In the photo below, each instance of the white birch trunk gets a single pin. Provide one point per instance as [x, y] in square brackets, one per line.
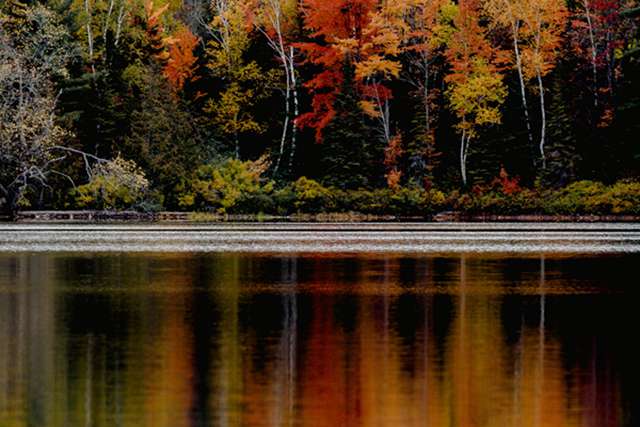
[594, 53]
[296, 108]
[463, 157]
[523, 93]
[543, 117]
[89, 36]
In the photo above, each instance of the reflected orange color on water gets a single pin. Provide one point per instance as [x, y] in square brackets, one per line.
[194, 345]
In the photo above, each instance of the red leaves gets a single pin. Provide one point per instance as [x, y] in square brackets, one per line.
[507, 184]
[337, 27]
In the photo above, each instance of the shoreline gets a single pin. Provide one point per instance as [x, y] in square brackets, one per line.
[98, 217]
[324, 238]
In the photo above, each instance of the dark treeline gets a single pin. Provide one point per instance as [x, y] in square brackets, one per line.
[311, 105]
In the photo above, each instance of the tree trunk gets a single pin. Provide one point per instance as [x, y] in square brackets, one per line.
[120, 21]
[89, 36]
[543, 116]
[523, 93]
[594, 53]
[463, 158]
[427, 110]
[287, 112]
[236, 141]
[296, 108]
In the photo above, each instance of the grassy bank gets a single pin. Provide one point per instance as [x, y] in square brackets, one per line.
[307, 200]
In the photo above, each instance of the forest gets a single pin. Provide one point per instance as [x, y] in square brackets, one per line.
[403, 107]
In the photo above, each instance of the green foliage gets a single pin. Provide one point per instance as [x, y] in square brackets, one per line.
[310, 196]
[117, 184]
[589, 197]
[579, 198]
[352, 157]
[223, 186]
[164, 137]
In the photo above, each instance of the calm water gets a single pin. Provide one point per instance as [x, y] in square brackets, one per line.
[317, 339]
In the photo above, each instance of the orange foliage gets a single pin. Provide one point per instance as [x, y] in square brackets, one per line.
[181, 65]
[155, 30]
[468, 43]
[507, 184]
[337, 28]
[392, 154]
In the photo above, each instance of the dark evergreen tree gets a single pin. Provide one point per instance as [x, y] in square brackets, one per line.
[163, 138]
[352, 156]
[562, 150]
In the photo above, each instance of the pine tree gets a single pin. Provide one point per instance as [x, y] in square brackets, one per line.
[351, 155]
[163, 137]
[562, 160]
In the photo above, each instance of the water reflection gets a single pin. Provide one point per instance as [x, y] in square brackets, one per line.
[245, 340]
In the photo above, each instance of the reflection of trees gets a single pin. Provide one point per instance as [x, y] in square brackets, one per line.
[475, 374]
[28, 351]
[285, 371]
[227, 370]
[327, 358]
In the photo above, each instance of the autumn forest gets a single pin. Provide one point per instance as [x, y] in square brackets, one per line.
[406, 107]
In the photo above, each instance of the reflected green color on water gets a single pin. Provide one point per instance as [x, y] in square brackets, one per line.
[325, 340]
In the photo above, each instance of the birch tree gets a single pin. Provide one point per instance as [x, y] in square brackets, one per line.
[277, 21]
[543, 22]
[508, 13]
[377, 65]
[475, 90]
[244, 81]
[428, 29]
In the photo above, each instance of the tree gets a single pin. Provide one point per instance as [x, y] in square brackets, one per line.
[543, 22]
[244, 82]
[114, 184]
[428, 28]
[30, 138]
[562, 157]
[598, 32]
[351, 158]
[164, 138]
[181, 64]
[333, 26]
[475, 90]
[277, 22]
[223, 186]
[376, 65]
[508, 13]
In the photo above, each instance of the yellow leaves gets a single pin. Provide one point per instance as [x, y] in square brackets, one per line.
[377, 65]
[537, 25]
[224, 185]
[229, 111]
[245, 83]
[231, 27]
[477, 97]
[116, 184]
[369, 108]
[443, 28]
[153, 14]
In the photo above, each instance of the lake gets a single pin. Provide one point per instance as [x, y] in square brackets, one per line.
[319, 325]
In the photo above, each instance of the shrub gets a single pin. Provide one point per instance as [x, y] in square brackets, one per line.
[309, 196]
[624, 198]
[116, 184]
[503, 196]
[581, 197]
[222, 187]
